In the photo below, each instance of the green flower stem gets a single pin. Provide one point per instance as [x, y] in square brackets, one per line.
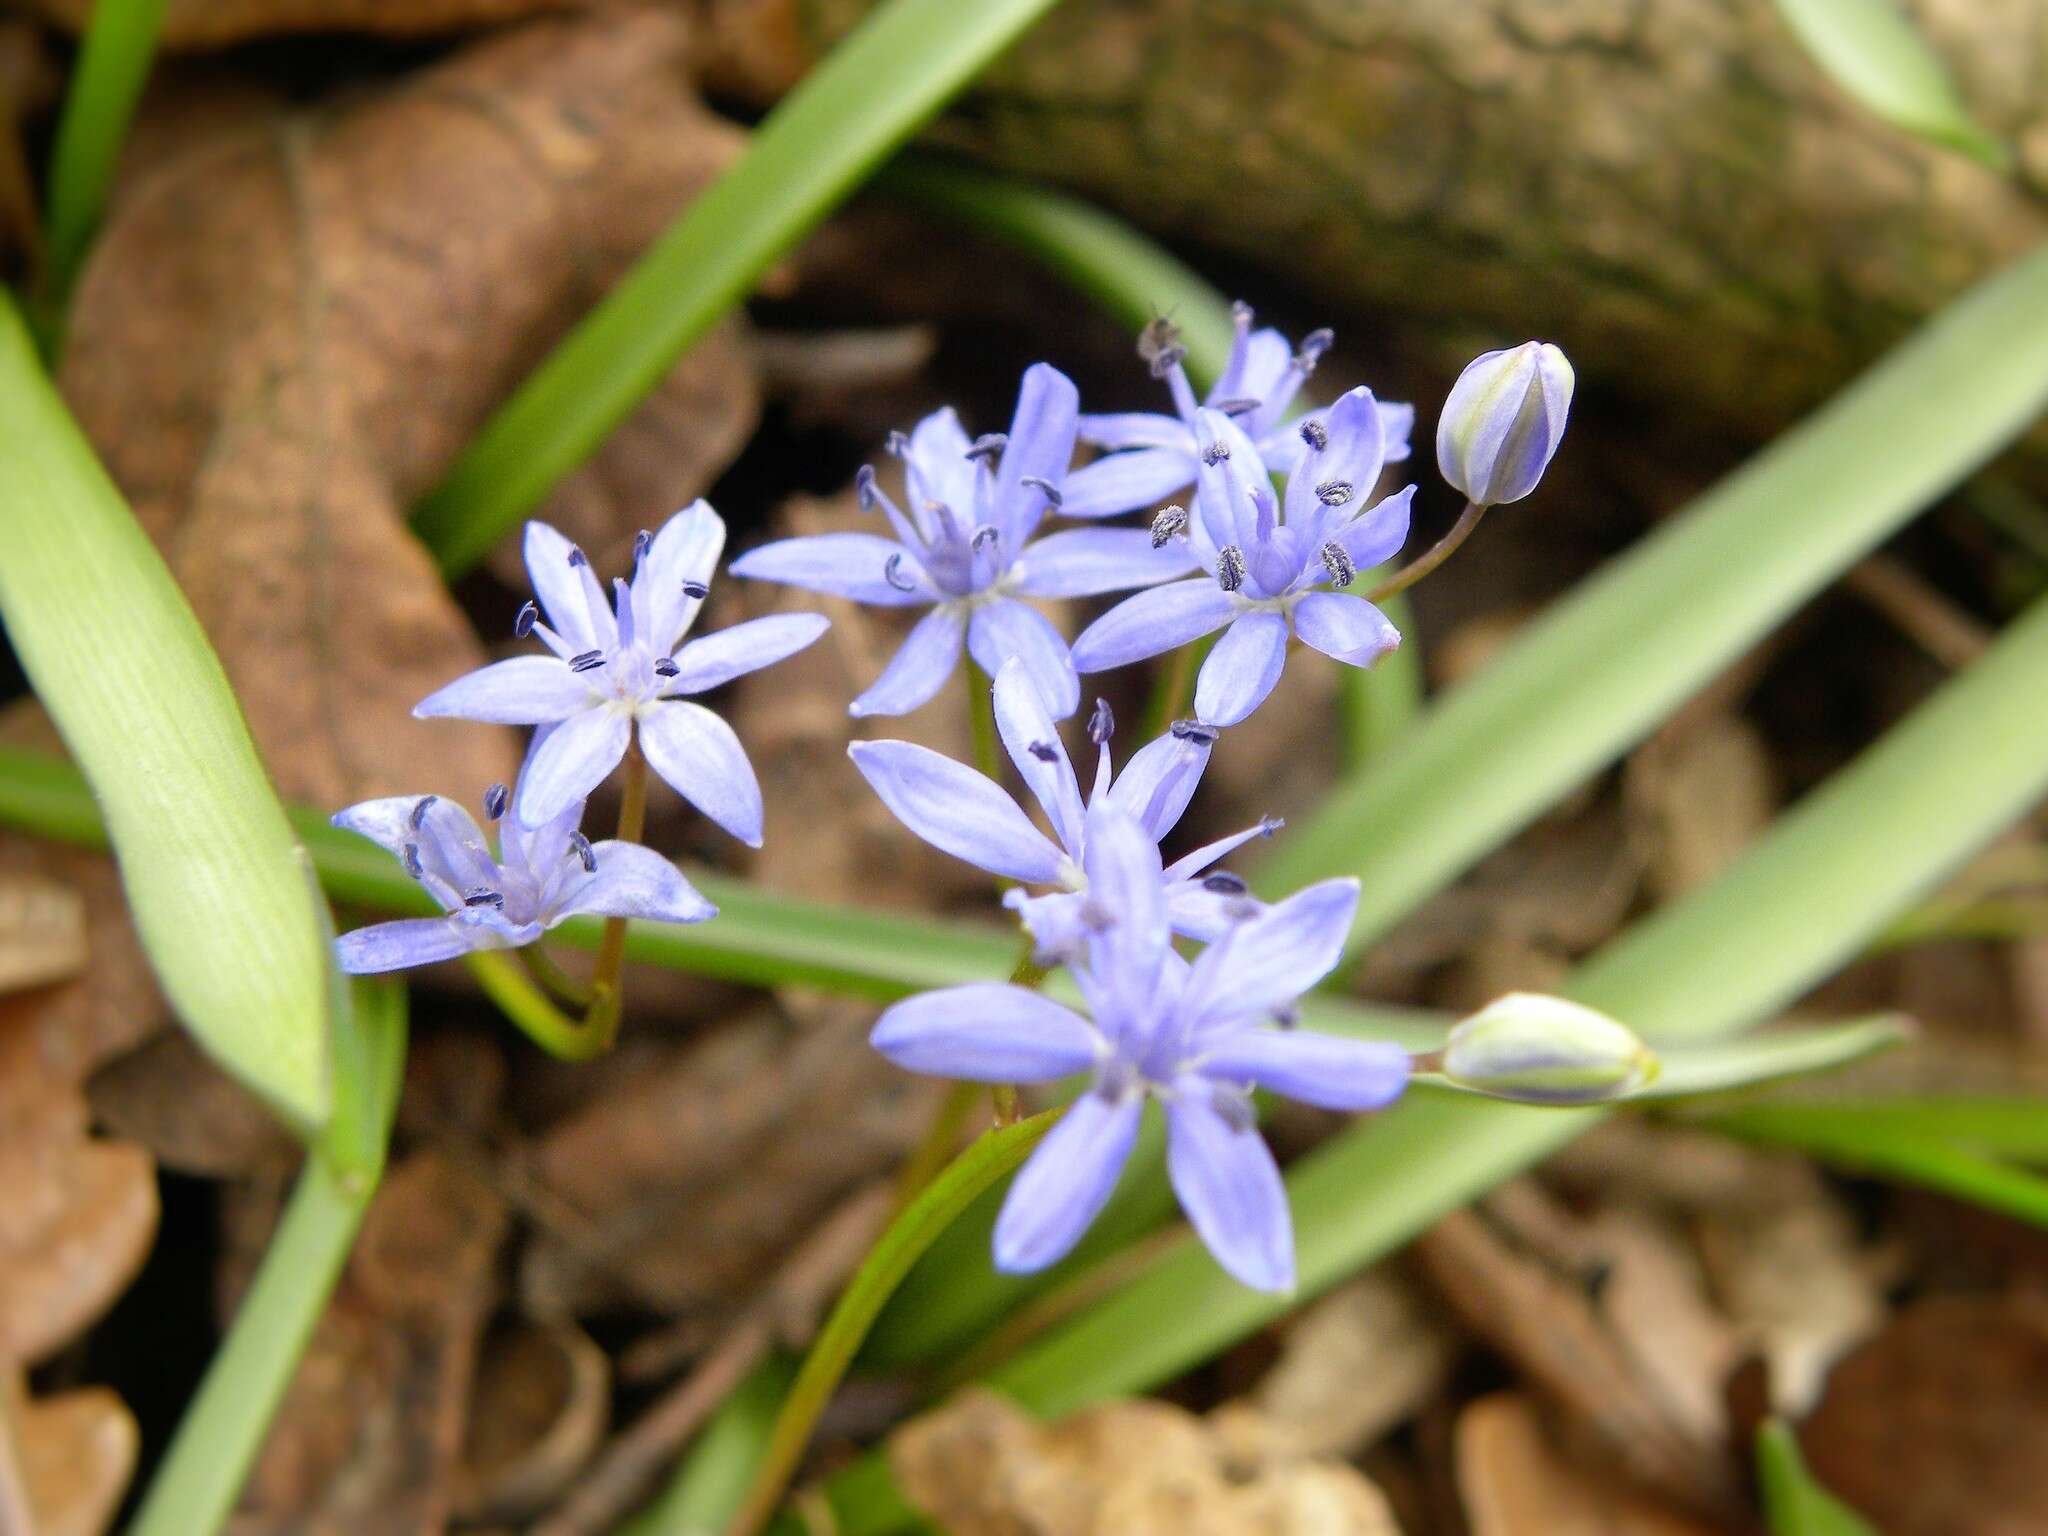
[974, 1170]
[201, 1477]
[113, 66]
[551, 978]
[981, 720]
[877, 87]
[1436, 555]
[530, 1010]
[1173, 689]
[607, 978]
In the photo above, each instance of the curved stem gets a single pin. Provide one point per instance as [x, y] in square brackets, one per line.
[909, 1235]
[531, 1010]
[552, 978]
[1445, 547]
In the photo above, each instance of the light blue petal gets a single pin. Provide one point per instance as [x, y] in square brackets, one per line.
[986, 1032]
[841, 565]
[1257, 365]
[1397, 425]
[1227, 484]
[1034, 745]
[573, 761]
[743, 648]
[408, 942]
[524, 690]
[1327, 1071]
[1138, 429]
[1003, 630]
[919, 669]
[1057, 923]
[1243, 668]
[387, 822]
[937, 463]
[1230, 1188]
[1159, 780]
[1152, 623]
[1040, 447]
[702, 760]
[1348, 464]
[1268, 961]
[1188, 865]
[1124, 482]
[1346, 627]
[632, 881]
[1379, 532]
[1196, 912]
[568, 591]
[957, 810]
[685, 550]
[1084, 562]
[1129, 937]
[1066, 1182]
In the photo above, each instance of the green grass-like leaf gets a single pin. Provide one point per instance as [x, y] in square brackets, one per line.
[1795, 1504]
[1873, 51]
[200, 1479]
[870, 94]
[113, 66]
[208, 862]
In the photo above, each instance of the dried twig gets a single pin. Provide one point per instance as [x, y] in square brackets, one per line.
[787, 1310]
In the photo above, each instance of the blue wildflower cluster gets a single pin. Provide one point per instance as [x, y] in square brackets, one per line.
[1188, 983]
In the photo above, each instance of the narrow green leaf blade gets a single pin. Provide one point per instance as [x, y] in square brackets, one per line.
[874, 90]
[1597, 672]
[212, 873]
[1872, 51]
[1794, 1504]
[1697, 1067]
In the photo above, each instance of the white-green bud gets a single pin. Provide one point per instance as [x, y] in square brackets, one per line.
[1544, 1050]
[1502, 421]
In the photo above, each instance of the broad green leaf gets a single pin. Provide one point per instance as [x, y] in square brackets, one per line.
[1872, 51]
[1603, 666]
[1794, 1504]
[896, 69]
[208, 862]
[200, 1479]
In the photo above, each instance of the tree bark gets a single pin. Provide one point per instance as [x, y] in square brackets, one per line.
[1669, 188]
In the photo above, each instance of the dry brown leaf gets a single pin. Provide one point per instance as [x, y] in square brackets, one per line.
[216, 23]
[1513, 1482]
[980, 1467]
[170, 1097]
[539, 1407]
[1519, 1271]
[295, 319]
[42, 931]
[683, 1185]
[77, 1451]
[371, 1428]
[80, 1213]
[1938, 1426]
[1698, 792]
[841, 843]
[663, 456]
[1355, 1364]
[113, 1005]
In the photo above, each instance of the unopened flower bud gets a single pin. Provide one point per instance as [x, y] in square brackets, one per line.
[1502, 422]
[1544, 1050]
